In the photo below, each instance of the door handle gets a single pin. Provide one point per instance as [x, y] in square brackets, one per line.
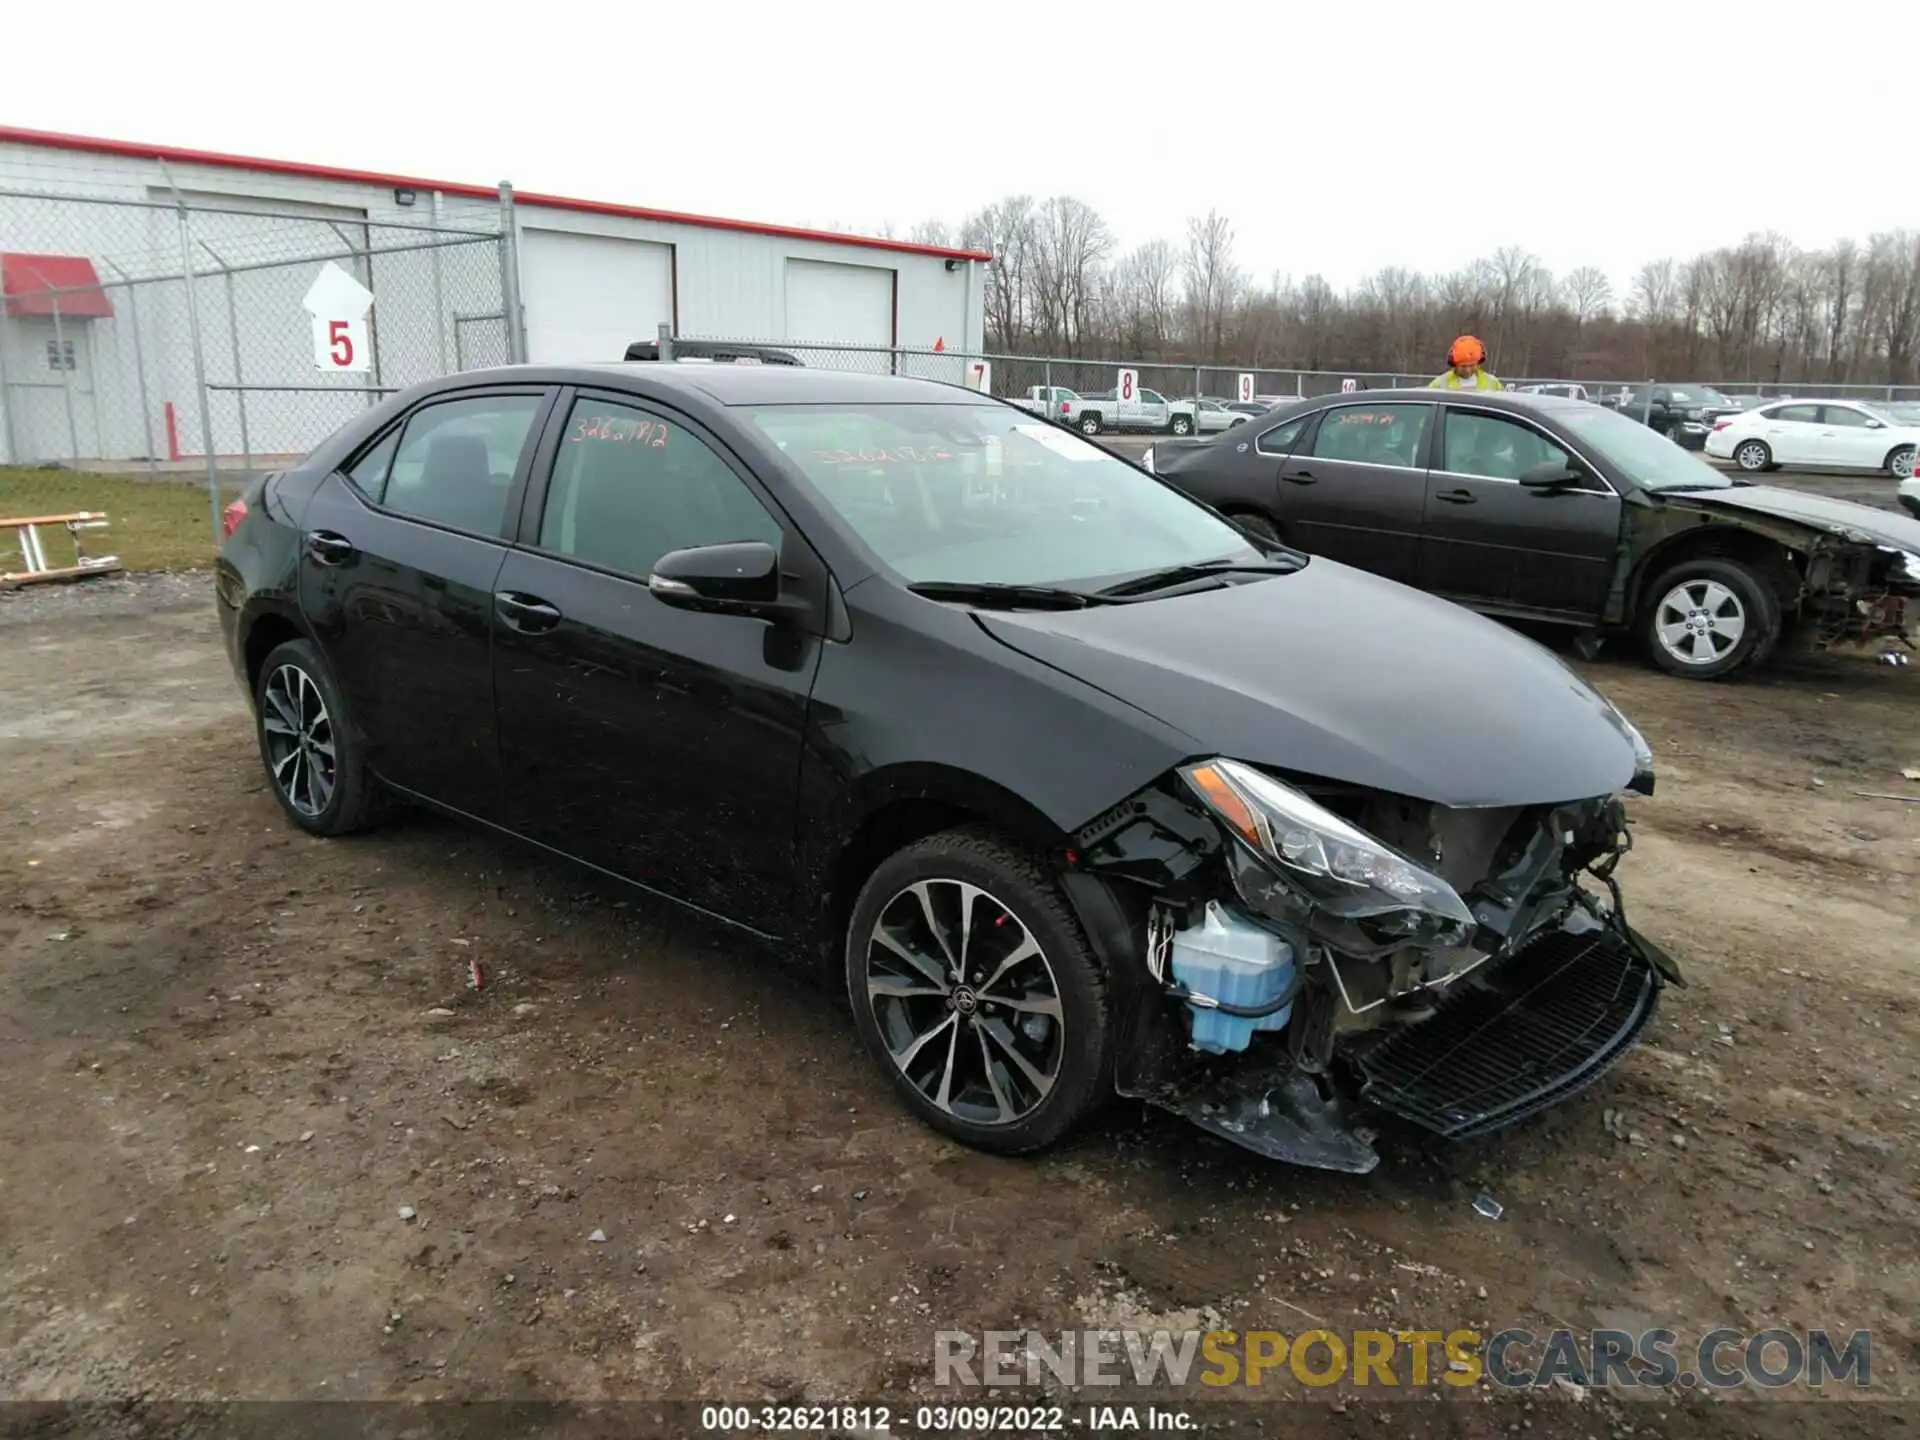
[1457, 497]
[1299, 477]
[329, 548]
[528, 614]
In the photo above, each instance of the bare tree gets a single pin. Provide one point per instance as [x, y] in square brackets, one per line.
[1213, 281]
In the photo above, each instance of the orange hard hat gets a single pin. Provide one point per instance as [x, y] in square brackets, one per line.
[1467, 350]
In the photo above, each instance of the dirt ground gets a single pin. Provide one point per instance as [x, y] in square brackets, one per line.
[644, 1162]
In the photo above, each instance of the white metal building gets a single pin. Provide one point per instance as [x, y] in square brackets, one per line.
[592, 277]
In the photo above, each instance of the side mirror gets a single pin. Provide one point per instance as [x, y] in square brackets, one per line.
[739, 578]
[1875, 425]
[1550, 476]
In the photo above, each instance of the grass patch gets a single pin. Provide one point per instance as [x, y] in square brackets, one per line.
[151, 524]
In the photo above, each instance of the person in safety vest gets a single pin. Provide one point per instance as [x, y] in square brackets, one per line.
[1467, 355]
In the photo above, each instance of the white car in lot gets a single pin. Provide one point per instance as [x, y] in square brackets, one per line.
[1825, 434]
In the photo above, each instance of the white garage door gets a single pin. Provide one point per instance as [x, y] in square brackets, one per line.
[852, 304]
[588, 297]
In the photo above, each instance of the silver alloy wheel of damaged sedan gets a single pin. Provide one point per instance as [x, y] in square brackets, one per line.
[1700, 622]
[299, 739]
[965, 1001]
[1751, 455]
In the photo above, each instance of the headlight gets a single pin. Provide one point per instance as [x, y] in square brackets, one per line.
[1325, 863]
[1146, 460]
[1906, 565]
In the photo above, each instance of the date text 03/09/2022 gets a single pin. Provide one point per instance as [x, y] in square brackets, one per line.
[886, 1420]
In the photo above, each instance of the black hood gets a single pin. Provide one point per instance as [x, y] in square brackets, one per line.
[1334, 673]
[1838, 517]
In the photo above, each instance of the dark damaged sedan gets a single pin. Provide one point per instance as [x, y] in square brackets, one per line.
[1079, 790]
[1542, 508]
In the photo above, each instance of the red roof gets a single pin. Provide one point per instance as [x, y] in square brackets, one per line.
[32, 284]
[135, 150]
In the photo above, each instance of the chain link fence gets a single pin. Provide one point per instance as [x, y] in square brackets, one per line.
[171, 334]
[1016, 376]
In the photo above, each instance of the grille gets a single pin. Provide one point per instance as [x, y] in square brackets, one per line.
[1548, 1022]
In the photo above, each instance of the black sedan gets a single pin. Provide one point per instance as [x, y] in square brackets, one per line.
[1074, 788]
[1542, 508]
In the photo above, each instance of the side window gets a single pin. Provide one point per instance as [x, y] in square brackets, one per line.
[369, 472]
[1796, 414]
[1152, 397]
[1494, 448]
[629, 486]
[1844, 417]
[1373, 434]
[455, 462]
[1281, 439]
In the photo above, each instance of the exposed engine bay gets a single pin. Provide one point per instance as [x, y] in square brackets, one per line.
[1312, 951]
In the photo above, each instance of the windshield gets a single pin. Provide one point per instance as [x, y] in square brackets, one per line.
[984, 494]
[1698, 395]
[1647, 458]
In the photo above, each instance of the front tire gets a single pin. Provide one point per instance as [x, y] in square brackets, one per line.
[1090, 424]
[977, 994]
[1258, 525]
[1900, 463]
[1753, 456]
[1707, 617]
[308, 744]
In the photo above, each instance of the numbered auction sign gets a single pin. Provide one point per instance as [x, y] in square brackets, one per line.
[337, 305]
[1246, 387]
[1347, 387]
[1127, 391]
[980, 376]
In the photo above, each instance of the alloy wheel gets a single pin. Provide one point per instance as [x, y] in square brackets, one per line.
[1751, 456]
[1902, 464]
[966, 1002]
[299, 740]
[1700, 621]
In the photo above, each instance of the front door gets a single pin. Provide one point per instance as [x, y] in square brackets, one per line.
[1355, 490]
[1492, 541]
[1792, 433]
[659, 744]
[1154, 411]
[397, 580]
[1849, 438]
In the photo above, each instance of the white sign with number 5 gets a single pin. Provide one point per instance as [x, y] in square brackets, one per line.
[1127, 390]
[337, 305]
[1246, 389]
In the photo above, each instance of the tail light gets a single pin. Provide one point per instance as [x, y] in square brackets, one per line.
[1719, 425]
[231, 517]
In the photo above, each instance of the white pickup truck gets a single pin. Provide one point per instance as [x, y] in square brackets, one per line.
[1091, 414]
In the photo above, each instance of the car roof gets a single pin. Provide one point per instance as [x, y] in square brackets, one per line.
[1493, 399]
[735, 384]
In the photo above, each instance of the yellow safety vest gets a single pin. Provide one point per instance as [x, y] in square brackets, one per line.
[1482, 380]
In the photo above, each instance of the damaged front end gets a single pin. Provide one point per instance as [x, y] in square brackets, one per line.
[1312, 952]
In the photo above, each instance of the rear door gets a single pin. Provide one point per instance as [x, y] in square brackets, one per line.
[1792, 433]
[1848, 437]
[657, 743]
[1355, 490]
[1492, 541]
[402, 550]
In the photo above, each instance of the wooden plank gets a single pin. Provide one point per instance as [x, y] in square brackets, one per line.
[71, 572]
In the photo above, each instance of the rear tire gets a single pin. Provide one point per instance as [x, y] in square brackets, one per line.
[1707, 617]
[1180, 425]
[1090, 424]
[1015, 1052]
[1900, 462]
[308, 744]
[1753, 456]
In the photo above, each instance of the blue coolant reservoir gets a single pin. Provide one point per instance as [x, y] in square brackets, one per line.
[1235, 961]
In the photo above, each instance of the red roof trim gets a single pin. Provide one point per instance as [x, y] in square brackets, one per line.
[31, 283]
[136, 151]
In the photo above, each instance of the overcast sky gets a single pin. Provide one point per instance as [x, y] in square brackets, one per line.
[1337, 137]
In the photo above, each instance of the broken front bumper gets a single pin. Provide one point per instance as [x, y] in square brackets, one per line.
[1540, 1025]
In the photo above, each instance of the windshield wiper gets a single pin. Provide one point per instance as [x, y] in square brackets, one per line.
[993, 595]
[1181, 574]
